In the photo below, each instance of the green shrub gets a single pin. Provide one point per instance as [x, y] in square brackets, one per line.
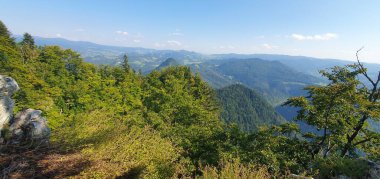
[134, 152]
[335, 166]
[235, 169]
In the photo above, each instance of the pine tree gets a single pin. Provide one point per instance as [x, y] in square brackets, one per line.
[4, 32]
[28, 41]
[125, 64]
[27, 48]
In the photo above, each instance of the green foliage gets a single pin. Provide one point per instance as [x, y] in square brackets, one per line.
[125, 64]
[246, 108]
[278, 148]
[28, 41]
[90, 106]
[235, 169]
[341, 110]
[28, 49]
[4, 32]
[129, 150]
[186, 111]
[335, 166]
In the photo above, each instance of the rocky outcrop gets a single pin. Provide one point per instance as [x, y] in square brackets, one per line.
[28, 126]
[7, 87]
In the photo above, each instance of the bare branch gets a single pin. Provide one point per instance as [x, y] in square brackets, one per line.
[362, 141]
[362, 67]
[374, 84]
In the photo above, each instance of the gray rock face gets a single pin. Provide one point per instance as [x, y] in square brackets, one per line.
[374, 171]
[28, 125]
[7, 87]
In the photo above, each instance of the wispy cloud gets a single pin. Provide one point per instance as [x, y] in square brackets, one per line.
[58, 35]
[122, 32]
[174, 43]
[269, 47]
[137, 41]
[326, 36]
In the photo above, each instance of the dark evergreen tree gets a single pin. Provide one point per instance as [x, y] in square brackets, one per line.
[4, 32]
[126, 67]
[28, 41]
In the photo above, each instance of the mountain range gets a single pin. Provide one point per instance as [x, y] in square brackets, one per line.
[273, 77]
[148, 59]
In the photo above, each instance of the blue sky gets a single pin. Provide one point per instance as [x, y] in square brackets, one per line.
[323, 28]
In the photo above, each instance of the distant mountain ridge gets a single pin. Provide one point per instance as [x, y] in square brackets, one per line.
[148, 59]
[308, 65]
[143, 59]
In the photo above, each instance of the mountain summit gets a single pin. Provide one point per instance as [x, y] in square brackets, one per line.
[167, 63]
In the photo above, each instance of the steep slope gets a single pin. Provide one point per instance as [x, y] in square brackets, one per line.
[275, 81]
[211, 76]
[246, 108]
[167, 63]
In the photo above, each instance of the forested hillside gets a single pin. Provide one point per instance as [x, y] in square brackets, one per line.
[111, 121]
[167, 117]
[246, 108]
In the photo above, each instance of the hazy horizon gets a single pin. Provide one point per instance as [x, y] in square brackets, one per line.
[323, 29]
[320, 58]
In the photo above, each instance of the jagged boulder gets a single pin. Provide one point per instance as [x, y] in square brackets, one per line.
[7, 87]
[27, 126]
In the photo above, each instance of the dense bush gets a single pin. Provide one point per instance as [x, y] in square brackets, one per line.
[132, 151]
[235, 169]
[335, 166]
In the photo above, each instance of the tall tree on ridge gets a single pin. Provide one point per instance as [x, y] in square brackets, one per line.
[341, 110]
[27, 48]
